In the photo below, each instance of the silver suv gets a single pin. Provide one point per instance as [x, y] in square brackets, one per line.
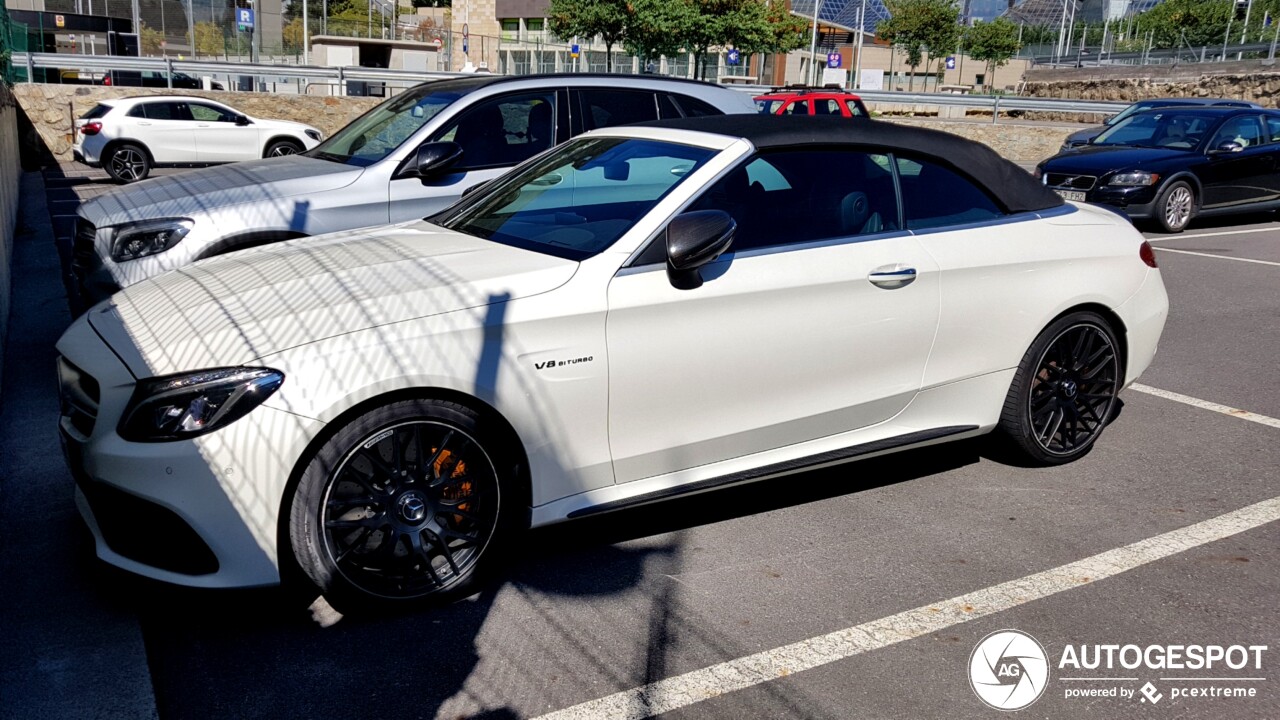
[407, 158]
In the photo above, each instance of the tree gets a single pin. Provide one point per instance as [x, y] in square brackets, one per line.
[760, 26]
[606, 19]
[919, 25]
[649, 27]
[209, 39]
[151, 40]
[995, 43]
[292, 35]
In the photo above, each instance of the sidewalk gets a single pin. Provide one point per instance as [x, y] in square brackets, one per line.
[68, 649]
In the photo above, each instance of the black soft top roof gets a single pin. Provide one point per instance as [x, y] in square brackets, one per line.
[1008, 184]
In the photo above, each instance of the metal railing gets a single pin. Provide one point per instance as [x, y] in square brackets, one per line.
[103, 63]
[993, 103]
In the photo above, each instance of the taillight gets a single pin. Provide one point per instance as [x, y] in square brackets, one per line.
[1147, 254]
[106, 79]
[91, 128]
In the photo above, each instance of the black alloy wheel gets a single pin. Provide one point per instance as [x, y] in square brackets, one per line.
[282, 148]
[400, 507]
[1065, 390]
[128, 163]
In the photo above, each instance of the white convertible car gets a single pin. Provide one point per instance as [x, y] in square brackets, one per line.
[641, 313]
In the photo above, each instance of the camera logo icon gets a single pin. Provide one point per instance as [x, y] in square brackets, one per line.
[1008, 670]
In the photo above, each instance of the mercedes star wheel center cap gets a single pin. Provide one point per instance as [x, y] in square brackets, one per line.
[412, 508]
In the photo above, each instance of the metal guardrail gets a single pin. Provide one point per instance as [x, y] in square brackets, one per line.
[102, 63]
[1001, 103]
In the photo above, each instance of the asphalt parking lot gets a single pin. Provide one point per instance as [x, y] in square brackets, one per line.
[859, 591]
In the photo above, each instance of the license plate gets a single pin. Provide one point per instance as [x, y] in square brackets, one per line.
[1076, 195]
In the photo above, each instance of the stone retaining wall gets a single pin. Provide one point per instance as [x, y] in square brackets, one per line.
[51, 108]
[1260, 87]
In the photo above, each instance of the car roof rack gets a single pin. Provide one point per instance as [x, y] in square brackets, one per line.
[801, 88]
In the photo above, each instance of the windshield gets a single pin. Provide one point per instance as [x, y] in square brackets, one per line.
[377, 133]
[1165, 129]
[578, 199]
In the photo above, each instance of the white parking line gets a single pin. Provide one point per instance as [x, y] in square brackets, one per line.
[1215, 234]
[1219, 257]
[1206, 405]
[716, 680]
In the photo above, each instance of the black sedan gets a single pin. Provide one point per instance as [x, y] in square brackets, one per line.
[1173, 164]
[1084, 137]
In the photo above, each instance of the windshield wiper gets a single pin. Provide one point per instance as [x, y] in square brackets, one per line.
[332, 157]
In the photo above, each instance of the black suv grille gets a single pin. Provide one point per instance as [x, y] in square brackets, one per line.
[1070, 182]
[80, 398]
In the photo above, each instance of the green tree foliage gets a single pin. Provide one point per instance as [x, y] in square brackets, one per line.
[995, 43]
[1201, 22]
[917, 26]
[209, 39]
[150, 40]
[607, 19]
[650, 27]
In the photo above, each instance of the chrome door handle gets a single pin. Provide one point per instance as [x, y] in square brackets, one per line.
[891, 277]
[143, 123]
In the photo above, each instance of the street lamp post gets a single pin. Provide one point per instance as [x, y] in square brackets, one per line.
[813, 45]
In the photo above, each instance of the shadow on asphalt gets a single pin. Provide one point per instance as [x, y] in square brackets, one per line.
[221, 653]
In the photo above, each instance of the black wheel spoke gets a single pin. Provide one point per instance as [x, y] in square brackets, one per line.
[1067, 412]
[423, 555]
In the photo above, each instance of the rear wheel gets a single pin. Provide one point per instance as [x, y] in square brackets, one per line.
[128, 163]
[280, 148]
[408, 504]
[1064, 390]
[1175, 207]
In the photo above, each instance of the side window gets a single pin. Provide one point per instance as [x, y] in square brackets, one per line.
[797, 107]
[826, 107]
[607, 108]
[1273, 129]
[790, 197]
[165, 111]
[1244, 130]
[504, 131]
[854, 108]
[693, 107]
[209, 113]
[667, 108]
[137, 111]
[934, 196]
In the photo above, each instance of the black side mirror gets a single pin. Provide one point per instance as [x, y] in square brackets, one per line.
[693, 240]
[432, 159]
[243, 120]
[1230, 146]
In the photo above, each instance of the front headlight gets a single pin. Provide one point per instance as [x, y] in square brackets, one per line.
[184, 406]
[314, 134]
[1134, 179]
[130, 242]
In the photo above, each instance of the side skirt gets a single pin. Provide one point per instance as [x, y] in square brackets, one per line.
[782, 468]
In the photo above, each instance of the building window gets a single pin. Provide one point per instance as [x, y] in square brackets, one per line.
[511, 30]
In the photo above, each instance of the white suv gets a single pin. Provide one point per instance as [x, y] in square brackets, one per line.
[128, 137]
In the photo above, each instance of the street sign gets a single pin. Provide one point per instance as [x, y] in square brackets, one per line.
[244, 18]
[466, 32]
[951, 62]
[573, 50]
[59, 20]
[733, 56]
[833, 60]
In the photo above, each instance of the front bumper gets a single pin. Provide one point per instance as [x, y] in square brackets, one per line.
[1136, 202]
[202, 512]
[93, 281]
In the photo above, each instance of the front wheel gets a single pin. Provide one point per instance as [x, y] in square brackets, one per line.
[282, 148]
[408, 504]
[1064, 390]
[128, 163]
[1175, 207]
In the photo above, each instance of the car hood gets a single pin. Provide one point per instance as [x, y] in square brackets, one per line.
[1102, 159]
[282, 125]
[1081, 137]
[241, 307]
[199, 191]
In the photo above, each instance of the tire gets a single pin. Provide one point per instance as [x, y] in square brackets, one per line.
[280, 148]
[1069, 407]
[128, 163]
[408, 505]
[1175, 206]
